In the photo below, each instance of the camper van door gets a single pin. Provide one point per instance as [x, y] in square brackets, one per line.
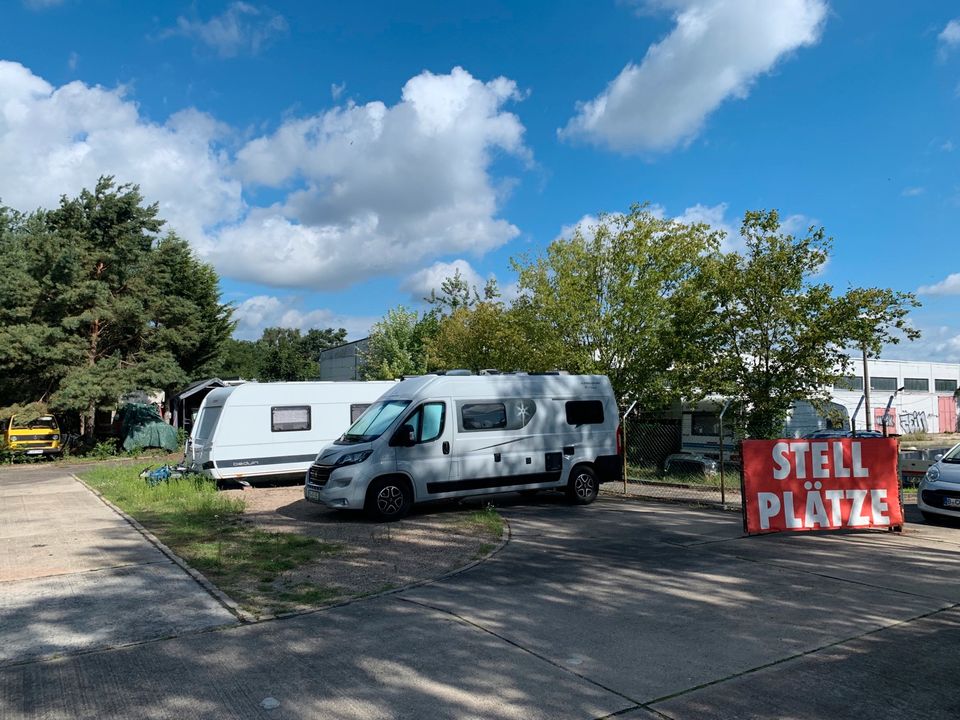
[427, 461]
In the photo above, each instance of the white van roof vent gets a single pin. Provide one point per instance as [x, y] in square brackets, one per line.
[458, 372]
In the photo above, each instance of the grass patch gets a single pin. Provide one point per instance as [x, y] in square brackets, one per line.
[207, 530]
[487, 521]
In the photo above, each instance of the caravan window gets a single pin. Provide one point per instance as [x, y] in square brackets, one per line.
[584, 412]
[705, 423]
[208, 421]
[483, 416]
[290, 419]
[357, 410]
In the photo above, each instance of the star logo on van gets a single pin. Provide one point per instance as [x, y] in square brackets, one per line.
[522, 411]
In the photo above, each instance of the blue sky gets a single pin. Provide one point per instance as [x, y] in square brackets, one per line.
[333, 160]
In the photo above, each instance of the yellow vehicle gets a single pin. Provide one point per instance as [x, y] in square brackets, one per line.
[33, 435]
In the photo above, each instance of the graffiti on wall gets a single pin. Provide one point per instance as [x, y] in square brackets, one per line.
[913, 422]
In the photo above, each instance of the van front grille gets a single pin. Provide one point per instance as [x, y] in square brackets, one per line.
[319, 474]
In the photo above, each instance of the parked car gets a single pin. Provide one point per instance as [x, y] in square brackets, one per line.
[690, 464]
[939, 492]
[38, 435]
[836, 433]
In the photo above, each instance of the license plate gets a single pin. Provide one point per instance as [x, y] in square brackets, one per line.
[34, 452]
[951, 502]
[313, 495]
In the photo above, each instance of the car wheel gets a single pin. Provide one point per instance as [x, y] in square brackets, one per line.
[388, 498]
[582, 487]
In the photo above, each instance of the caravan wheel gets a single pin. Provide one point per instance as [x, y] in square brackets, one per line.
[582, 487]
[388, 498]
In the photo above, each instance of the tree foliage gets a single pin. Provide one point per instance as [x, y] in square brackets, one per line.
[280, 354]
[776, 335]
[396, 347]
[95, 303]
[607, 302]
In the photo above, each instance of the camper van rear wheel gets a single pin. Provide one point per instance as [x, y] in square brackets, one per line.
[388, 498]
[582, 487]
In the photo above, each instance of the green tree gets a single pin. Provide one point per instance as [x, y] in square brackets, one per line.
[96, 304]
[281, 356]
[397, 345]
[238, 359]
[774, 334]
[484, 335]
[607, 302]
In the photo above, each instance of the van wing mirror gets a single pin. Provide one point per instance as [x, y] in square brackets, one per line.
[406, 436]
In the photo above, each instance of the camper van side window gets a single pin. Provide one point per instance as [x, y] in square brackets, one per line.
[584, 412]
[290, 418]
[483, 416]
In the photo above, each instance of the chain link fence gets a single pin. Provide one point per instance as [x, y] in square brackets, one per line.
[659, 466]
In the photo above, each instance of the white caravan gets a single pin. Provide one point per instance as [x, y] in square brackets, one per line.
[700, 426]
[271, 429]
[448, 436]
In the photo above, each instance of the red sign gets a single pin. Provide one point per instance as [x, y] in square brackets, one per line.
[820, 484]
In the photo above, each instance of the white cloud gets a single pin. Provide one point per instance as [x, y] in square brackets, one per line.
[422, 282]
[949, 37]
[712, 215]
[937, 344]
[241, 29]
[337, 90]
[263, 311]
[57, 141]
[365, 190]
[377, 189]
[716, 51]
[912, 191]
[950, 285]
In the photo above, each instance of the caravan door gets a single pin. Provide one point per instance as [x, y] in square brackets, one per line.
[427, 461]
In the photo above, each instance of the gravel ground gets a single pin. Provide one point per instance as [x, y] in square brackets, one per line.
[373, 557]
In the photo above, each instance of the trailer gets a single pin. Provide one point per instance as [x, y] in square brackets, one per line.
[266, 430]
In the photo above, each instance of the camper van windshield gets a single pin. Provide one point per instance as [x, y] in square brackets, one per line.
[372, 424]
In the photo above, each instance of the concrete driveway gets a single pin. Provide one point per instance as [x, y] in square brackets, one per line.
[636, 609]
[75, 576]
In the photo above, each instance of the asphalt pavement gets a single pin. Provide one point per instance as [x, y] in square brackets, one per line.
[626, 608]
[75, 576]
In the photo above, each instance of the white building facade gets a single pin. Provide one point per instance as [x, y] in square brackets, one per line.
[924, 395]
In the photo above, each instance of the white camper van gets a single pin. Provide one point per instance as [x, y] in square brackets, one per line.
[447, 436]
[271, 429]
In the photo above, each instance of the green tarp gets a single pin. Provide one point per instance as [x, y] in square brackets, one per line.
[142, 427]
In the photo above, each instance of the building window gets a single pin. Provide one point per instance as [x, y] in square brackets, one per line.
[483, 416]
[705, 424]
[883, 383]
[949, 386]
[290, 418]
[584, 412]
[916, 384]
[849, 382]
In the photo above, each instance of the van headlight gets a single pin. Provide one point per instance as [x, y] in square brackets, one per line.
[933, 473]
[353, 458]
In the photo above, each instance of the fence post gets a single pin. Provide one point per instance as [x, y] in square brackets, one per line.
[623, 429]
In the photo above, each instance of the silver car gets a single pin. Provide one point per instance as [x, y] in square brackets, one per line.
[939, 492]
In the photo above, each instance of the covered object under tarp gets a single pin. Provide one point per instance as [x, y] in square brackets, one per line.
[142, 427]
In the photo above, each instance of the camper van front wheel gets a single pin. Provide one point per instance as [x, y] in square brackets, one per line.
[388, 498]
[582, 486]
